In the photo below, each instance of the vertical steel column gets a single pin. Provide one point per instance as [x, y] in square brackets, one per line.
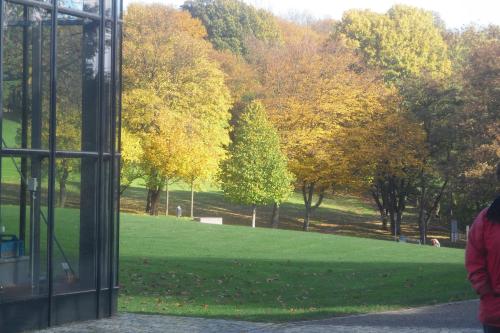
[118, 137]
[52, 157]
[112, 136]
[36, 143]
[24, 127]
[100, 147]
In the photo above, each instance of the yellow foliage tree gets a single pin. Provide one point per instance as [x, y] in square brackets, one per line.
[175, 98]
[314, 93]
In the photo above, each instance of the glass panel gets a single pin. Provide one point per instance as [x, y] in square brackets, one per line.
[116, 221]
[118, 91]
[119, 8]
[23, 228]
[75, 225]
[108, 9]
[106, 116]
[77, 83]
[26, 77]
[91, 6]
[105, 223]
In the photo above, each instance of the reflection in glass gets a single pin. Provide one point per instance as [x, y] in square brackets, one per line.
[108, 9]
[78, 83]
[75, 227]
[118, 83]
[106, 114]
[105, 227]
[84, 190]
[23, 228]
[116, 220]
[91, 6]
[26, 77]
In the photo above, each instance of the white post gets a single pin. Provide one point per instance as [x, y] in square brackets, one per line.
[254, 213]
[467, 229]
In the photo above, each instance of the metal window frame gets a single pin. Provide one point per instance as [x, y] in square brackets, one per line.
[52, 304]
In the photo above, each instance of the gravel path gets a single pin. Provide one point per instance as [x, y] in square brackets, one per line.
[454, 317]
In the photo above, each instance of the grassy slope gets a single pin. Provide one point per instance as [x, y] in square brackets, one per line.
[183, 268]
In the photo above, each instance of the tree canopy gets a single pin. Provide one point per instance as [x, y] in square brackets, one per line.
[175, 99]
[256, 171]
[406, 41]
[230, 23]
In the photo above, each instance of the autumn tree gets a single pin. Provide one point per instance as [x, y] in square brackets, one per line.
[403, 42]
[256, 171]
[313, 93]
[175, 98]
[385, 156]
[478, 123]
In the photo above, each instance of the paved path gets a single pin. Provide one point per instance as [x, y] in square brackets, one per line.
[455, 317]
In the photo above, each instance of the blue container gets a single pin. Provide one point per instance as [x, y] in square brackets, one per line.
[10, 247]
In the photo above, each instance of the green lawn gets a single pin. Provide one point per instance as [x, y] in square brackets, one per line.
[177, 267]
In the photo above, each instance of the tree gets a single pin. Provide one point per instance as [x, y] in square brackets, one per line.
[478, 124]
[230, 23]
[175, 98]
[313, 94]
[435, 104]
[406, 41]
[386, 154]
[256, 171]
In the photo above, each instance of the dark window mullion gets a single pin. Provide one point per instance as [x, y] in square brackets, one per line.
[52, 159]
[100, 128]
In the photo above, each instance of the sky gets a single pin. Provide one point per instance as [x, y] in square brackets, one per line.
[455, 13]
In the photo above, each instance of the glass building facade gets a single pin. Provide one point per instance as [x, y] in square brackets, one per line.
[60, 80]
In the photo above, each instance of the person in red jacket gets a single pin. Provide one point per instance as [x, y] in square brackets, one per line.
[482, 260]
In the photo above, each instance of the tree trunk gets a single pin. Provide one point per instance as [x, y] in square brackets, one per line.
[382, 210]
[422, 230]
[62, 187]
[155, 201]
[399, 218]
[148, 202]
[307, 216]
[254, 215]
[275, 220]
[167, 198]
[308, 194]
[62, 193]
[392, 219]
[192, 200]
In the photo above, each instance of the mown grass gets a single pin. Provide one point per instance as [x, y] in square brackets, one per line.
[177, 267]
[340, 214]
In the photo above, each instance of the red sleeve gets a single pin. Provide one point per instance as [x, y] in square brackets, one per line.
[475, 257]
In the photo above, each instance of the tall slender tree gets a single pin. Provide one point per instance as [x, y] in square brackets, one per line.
[256, 171]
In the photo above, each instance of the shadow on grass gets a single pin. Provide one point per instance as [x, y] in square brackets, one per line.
[274, 290]
[341, 215]
[358, 218]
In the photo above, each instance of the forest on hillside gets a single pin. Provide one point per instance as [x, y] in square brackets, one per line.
[392, 106]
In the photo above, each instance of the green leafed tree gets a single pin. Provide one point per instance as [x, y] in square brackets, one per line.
[256, 171]
[230, 23]
[406, 41]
